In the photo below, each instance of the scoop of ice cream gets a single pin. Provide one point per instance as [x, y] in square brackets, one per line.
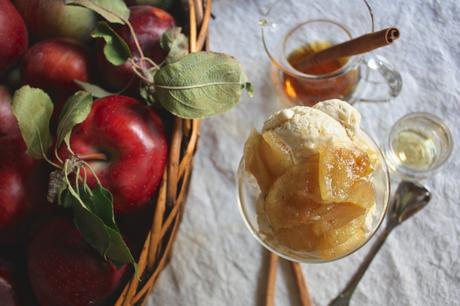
[303, 129]
[343, 112]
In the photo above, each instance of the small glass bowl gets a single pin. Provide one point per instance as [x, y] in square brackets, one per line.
[248, 193]
[428, 127]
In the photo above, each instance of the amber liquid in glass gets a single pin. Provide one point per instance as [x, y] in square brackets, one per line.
[309, 91]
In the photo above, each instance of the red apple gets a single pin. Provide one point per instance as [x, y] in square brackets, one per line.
[15, 165]
[66, 271]
[8, 123]
[23, 186]
[13, 35]
[149, 23]
[54, 64]
[52, 18]
[8, 286]
[124, 142]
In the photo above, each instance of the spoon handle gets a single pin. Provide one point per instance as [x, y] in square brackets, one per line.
[343, 299]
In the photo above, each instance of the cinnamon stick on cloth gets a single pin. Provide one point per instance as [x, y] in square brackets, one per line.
[271, 280]
[301, 284]
[361, 44]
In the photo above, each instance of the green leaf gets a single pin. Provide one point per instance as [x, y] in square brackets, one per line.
[175, 43]
[32, 108]
[75, 111]
[96, 91]
[114, 11]
[92, 228]
[105, 211]
[200, 85]
[116, 50]
[96, 222]
[118, 251]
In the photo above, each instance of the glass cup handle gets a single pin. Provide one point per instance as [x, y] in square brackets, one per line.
[381, 81]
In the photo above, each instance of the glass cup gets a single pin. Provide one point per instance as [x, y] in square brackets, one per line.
[418, 145]
[251, 207]
[293, 28]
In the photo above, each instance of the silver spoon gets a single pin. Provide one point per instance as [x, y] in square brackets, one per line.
[410, 197]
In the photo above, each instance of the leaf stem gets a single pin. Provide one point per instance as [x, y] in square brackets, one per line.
[92, 171]
[136, 41]
[69, 186]
[139, 49]
[43, 152]
[57, 155]
[77, 178]
[139, 71]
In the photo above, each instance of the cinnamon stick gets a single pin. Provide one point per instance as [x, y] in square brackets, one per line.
[271, 280]
[301, 284]
[359, 45]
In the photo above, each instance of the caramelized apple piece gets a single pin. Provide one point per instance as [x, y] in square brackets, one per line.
[294, 196]
[362, 194]
[327, 252]
[339, 235]
[339, 169]
[334, 216]
[276, 153]
[298, 238]
[254, 162]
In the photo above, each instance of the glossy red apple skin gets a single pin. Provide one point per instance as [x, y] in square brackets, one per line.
[8, 123]
[15, 165]
[13, 35]
[52, 18]
[131, 136]
[54, 64]
[66, 271]
[23, 187]
[149, 24]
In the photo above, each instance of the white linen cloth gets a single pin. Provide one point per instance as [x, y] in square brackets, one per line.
[216, 261]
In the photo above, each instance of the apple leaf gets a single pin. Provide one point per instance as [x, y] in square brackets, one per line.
[116, 50]
[32, 107]
[114, 11]
[96, 91]
[200, 85]
[75, 111]
[94, 218]
[175, 43]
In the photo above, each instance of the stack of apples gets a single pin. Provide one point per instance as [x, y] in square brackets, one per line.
[46, 44]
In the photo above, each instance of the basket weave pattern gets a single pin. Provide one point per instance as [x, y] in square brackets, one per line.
[169, 207]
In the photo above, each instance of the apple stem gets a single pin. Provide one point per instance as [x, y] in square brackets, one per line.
[96, 156]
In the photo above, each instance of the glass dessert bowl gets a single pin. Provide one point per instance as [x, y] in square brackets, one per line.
[312, 187]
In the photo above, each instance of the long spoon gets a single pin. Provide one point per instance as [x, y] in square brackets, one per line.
[410, 198]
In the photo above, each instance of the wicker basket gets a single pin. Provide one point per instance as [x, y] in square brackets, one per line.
[169, 208]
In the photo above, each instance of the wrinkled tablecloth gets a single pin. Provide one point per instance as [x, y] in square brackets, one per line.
[216, 260]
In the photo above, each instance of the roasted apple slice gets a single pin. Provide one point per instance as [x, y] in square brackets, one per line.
[339, 169]
[293, 197]
[254, 162]
[276, 153]
[298, 238]
[333, 216]
[328, 252]
[339, 235]
[362, 194]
